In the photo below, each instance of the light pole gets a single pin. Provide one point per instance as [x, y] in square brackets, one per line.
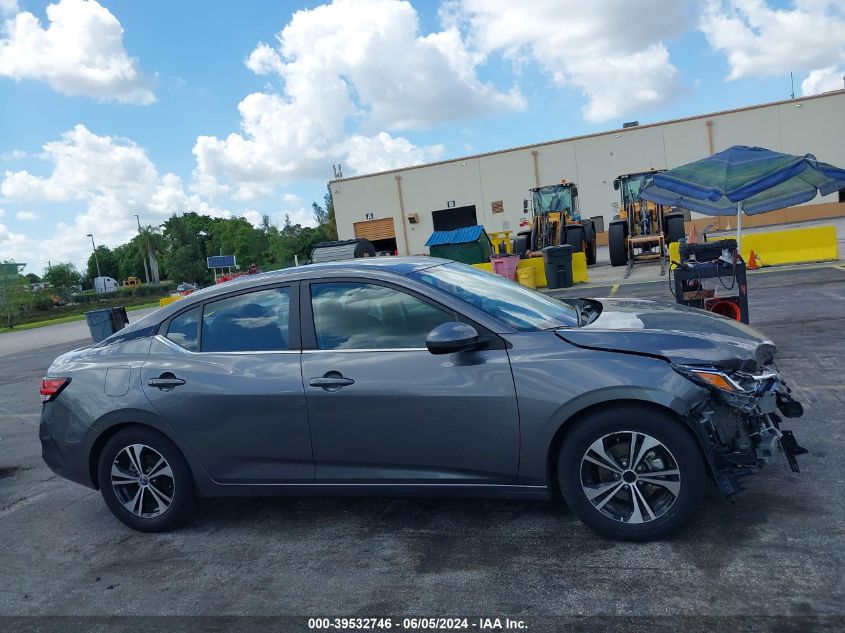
[143, 254]
[94, 248]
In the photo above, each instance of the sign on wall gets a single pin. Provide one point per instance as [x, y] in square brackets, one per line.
[450, 204]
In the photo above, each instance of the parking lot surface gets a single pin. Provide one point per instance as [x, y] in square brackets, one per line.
[778, 551]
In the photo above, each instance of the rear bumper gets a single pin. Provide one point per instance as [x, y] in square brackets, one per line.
[68, 459]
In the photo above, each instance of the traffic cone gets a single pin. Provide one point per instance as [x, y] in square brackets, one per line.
[752, 261]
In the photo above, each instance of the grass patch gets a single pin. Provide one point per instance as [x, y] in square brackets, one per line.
[69, 318]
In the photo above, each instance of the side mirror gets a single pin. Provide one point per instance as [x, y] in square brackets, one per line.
[616, 184]
[451, 337]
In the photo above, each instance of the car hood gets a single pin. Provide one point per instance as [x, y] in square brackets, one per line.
[680, 334]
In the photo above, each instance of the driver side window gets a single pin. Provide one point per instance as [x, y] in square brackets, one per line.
[352, 315]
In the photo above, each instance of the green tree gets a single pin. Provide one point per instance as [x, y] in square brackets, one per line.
[150, 245]
[32, 278]
[129, 262]
[62, 276]
[108, 264]
[183, 258]
[324, 215]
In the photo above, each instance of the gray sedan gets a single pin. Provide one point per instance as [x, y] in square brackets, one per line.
[399, 376]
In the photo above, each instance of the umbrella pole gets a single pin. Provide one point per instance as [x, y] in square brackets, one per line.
[739, 228]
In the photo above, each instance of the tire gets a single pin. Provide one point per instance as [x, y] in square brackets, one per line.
[590, 240]
[616, 243]
[674, 224]
[662, 444]
[364, 248]
[144, 501]
[575, 237]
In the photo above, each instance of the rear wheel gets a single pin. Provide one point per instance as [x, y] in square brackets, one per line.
[145, 481]
[616, 243]
[631, 473]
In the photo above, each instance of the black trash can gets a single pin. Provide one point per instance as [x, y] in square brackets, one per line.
[119, 318]
[100, 324]
[557, 260]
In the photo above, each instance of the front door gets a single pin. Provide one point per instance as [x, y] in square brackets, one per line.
[382, 409]
[226, 376]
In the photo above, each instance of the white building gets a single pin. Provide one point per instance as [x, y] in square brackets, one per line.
[400, 209]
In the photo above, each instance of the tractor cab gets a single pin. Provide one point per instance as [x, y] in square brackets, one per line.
[557, 220]
[642, 230]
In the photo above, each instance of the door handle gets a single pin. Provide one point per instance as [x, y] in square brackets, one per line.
[165, 382]
[332, 381]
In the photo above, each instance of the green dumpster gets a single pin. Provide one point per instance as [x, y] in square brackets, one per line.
[469, 245]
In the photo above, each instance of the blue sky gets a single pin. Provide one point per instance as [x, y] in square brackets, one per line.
[152, 107]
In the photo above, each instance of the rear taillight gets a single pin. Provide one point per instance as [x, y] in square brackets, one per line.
[52, 387]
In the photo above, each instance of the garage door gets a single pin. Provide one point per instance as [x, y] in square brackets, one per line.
[375, 229]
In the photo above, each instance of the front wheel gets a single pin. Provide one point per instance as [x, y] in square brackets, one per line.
[145, 481]
[631, 473]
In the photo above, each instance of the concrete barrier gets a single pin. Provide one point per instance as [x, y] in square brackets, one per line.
[790, 246]
[579, 268]
[167, 300]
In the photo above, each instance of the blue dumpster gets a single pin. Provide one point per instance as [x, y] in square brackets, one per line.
[100, 323]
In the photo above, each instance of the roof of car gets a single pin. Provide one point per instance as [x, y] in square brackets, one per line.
[395, 265]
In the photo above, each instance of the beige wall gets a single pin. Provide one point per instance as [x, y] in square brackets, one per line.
[817, 127]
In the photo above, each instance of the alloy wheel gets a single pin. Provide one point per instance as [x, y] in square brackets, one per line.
[142, 480]
[630, 477]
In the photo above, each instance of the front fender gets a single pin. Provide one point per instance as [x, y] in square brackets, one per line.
[556, 382]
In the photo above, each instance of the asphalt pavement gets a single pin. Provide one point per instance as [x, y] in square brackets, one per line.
[776, 552]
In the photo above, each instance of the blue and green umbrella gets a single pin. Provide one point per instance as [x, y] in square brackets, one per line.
[750, 179]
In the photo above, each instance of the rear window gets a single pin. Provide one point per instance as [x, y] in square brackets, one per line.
[251, 322]
[183, 329]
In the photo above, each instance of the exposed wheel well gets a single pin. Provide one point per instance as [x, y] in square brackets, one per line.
[100, 442]
[570, 423]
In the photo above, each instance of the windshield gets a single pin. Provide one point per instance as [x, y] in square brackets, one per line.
[523, 309]
[553, 198]
[633, 185]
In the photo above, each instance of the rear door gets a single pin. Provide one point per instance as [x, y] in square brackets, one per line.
[226, 375]
[383, 409]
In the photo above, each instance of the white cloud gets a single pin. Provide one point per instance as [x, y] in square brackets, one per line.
[759, 40]
[253, 217]
[27, 216]
[611, 51]
[9, 7]
[14, 247]
[112, 179]
[291, 198]
[359, 65]
[81, 52]
[383, 152]
[823, 80]
[15, 154]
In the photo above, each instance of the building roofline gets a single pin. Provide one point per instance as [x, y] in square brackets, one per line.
[591, 135]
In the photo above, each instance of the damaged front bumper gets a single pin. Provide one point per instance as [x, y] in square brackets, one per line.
[741, 422]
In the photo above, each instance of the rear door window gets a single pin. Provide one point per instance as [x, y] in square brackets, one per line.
[184, 328]
[251, 322]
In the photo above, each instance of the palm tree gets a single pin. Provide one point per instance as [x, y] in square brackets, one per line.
[151, 242]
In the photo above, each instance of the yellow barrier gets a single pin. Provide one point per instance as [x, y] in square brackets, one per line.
[500, 237]
[579, 268]
[167, 300]
[790, 246]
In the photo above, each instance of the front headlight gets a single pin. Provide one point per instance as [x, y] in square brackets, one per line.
[733, 382]
[716, 379]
